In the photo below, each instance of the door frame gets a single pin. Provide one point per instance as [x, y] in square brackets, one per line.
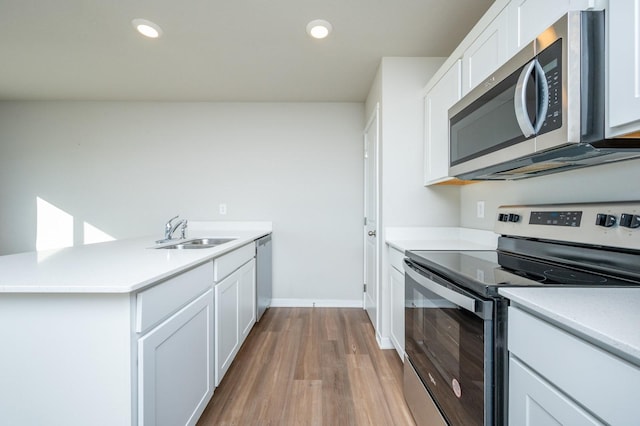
[373, 119]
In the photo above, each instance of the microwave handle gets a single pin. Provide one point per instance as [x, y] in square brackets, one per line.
[520, 99]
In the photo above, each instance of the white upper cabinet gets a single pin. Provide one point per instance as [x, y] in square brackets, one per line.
[624, 67]
[487, 53]
[528, 18]
[446, 92]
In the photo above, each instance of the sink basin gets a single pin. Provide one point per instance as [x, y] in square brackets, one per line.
[198, 243]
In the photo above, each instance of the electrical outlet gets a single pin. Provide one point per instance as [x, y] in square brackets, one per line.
[223, 208]
[480, 209]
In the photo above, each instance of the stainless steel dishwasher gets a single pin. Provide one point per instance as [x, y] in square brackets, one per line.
[263, 275]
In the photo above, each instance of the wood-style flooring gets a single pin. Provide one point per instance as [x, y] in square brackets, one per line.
[311, 366]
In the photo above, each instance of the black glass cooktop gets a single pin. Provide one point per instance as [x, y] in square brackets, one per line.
[485, 271]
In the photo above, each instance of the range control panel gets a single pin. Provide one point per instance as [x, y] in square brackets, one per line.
[611, 224]
[556, 218]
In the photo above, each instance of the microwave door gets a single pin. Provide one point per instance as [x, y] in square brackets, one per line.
[484, 127]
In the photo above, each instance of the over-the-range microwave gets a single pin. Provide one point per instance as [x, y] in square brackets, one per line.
[542, 112]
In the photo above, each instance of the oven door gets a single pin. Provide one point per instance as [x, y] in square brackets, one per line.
[449, 344]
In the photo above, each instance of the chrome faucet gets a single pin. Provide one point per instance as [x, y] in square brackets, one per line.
[170, 228]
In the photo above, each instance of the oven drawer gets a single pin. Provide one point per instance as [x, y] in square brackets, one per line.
[424, 410]
[596, 379]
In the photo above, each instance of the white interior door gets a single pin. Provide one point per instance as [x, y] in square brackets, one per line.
[371, 213]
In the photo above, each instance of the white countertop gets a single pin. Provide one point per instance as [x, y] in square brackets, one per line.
[440, 238]
[606, 317]
[119, 266]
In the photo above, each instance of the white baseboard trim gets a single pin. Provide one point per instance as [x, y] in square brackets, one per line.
[317, 303]
[384, 342]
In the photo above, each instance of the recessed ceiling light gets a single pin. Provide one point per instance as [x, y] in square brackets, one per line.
[147, 28]
[319, 28]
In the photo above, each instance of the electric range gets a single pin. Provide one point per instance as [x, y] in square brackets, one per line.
[455, 321]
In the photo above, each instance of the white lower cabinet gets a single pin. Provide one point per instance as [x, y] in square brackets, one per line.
[235, 315]
[556, 377]
[175, 366]
[146, 358]
[396, 280]
[534, 401]
[247, 301]
[396, 284]
[227, 325]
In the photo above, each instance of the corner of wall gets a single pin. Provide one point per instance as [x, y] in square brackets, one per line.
[374, 96]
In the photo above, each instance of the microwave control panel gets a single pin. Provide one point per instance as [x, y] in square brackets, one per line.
[551, 61]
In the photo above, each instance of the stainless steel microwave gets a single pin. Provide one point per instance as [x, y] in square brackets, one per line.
[542, 112]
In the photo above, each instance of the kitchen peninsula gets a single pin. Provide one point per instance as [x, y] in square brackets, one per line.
[123, 332]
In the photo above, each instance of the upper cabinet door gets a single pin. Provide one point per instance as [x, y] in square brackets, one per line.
[624, 67]
[440, 98]
[528, 18]
[487, 53]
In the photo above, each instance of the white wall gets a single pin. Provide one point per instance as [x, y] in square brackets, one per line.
[612, 182]
[405, 200]
[127, 167]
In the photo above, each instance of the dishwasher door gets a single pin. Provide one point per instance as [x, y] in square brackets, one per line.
[263, 275]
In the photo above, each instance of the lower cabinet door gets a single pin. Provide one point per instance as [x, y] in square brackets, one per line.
[247, 292]
[396, 282]
[235, 314]
[175, 366]
[227, 325]
[534, 401]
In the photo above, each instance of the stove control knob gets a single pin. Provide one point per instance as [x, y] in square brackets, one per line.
[605, 220]
[503, 217]
[629, 220]
[514, 217]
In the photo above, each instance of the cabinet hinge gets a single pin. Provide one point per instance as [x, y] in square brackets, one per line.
[365, 221]
[364, 288]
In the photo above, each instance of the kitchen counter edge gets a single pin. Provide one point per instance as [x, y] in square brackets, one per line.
[605, 317]
[25, 273]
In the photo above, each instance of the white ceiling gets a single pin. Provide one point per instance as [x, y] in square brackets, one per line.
[217, 50]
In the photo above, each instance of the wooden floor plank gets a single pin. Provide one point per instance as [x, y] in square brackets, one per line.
[311, 366]
[371, 406]
[337, 398]
[304, 403]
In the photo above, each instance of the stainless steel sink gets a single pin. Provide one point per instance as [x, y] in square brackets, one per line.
[198, 243]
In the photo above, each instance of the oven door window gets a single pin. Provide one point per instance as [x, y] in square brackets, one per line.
[445, 344]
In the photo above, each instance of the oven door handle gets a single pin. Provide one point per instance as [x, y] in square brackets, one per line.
[454, 297]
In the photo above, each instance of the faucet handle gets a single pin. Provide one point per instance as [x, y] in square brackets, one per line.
[183, 229]
[168, 224]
